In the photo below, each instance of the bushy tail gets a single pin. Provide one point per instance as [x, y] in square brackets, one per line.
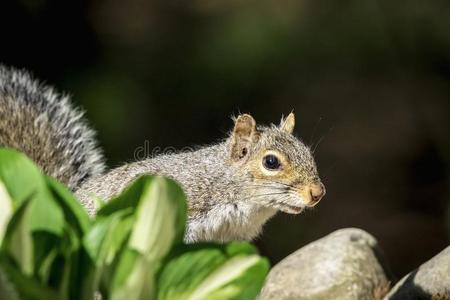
[43, 124]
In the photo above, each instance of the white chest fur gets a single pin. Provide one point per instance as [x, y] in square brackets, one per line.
[228, 222]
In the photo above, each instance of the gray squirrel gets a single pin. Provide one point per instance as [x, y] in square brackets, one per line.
[233, 187]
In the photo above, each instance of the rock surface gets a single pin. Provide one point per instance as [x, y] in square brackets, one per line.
[343, 265]
[431, 279]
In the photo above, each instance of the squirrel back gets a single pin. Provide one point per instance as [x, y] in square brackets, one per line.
[43, 124]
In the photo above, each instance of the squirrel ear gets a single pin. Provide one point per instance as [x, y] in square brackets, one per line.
[288, 124]
[244, 134]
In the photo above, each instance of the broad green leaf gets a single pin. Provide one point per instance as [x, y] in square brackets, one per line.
[195, 263]
[18, 241]
[26, 287]
[159, 221]
[43, 237]
[132, 277]
[197, 272]
[239, 276]
[52, 250]
[19, 175]
[57, 262]
[103, 241]
[7, 289]
[128, 199]
[6, 210]
[45, 265]
[107, 236]
[23, 181]
[161, 217]
[74, 213]
[46, 248]
[83, 283]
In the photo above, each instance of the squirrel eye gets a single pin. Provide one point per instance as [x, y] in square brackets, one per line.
[271, 162]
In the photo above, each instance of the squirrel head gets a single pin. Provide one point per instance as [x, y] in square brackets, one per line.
[279, 170]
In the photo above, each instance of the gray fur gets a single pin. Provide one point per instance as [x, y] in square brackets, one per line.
[230, 192]
[224, 199]
[41, 123]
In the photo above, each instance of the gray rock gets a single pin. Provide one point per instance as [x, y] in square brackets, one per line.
[343, 265]
[430, 279]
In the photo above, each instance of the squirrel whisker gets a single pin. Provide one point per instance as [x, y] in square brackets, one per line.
[278, 182]
[263, 186]
[262, 195]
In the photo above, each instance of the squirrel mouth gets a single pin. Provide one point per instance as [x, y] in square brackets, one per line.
[291, 209]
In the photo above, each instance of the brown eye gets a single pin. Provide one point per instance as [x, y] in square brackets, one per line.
[271, 162]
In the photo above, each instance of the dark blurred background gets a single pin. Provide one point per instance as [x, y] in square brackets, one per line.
[369, 82]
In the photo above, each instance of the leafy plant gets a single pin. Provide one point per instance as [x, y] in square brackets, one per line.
[132, 249]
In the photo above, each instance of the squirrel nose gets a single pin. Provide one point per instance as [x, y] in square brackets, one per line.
[316, 192]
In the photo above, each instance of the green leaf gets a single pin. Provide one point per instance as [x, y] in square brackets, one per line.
[19, 174]
[18, 241]
[83, 282]
[26, 287]
[160, 218]
[197, 272]
[6, 210]
[127, 200]
[107, 236]
[50, 249]
[46, 248]
[23, 181]
[7, 289]
[43, 237]
[102, 243]
[74, 213]
[241, 277]
[156, 217]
